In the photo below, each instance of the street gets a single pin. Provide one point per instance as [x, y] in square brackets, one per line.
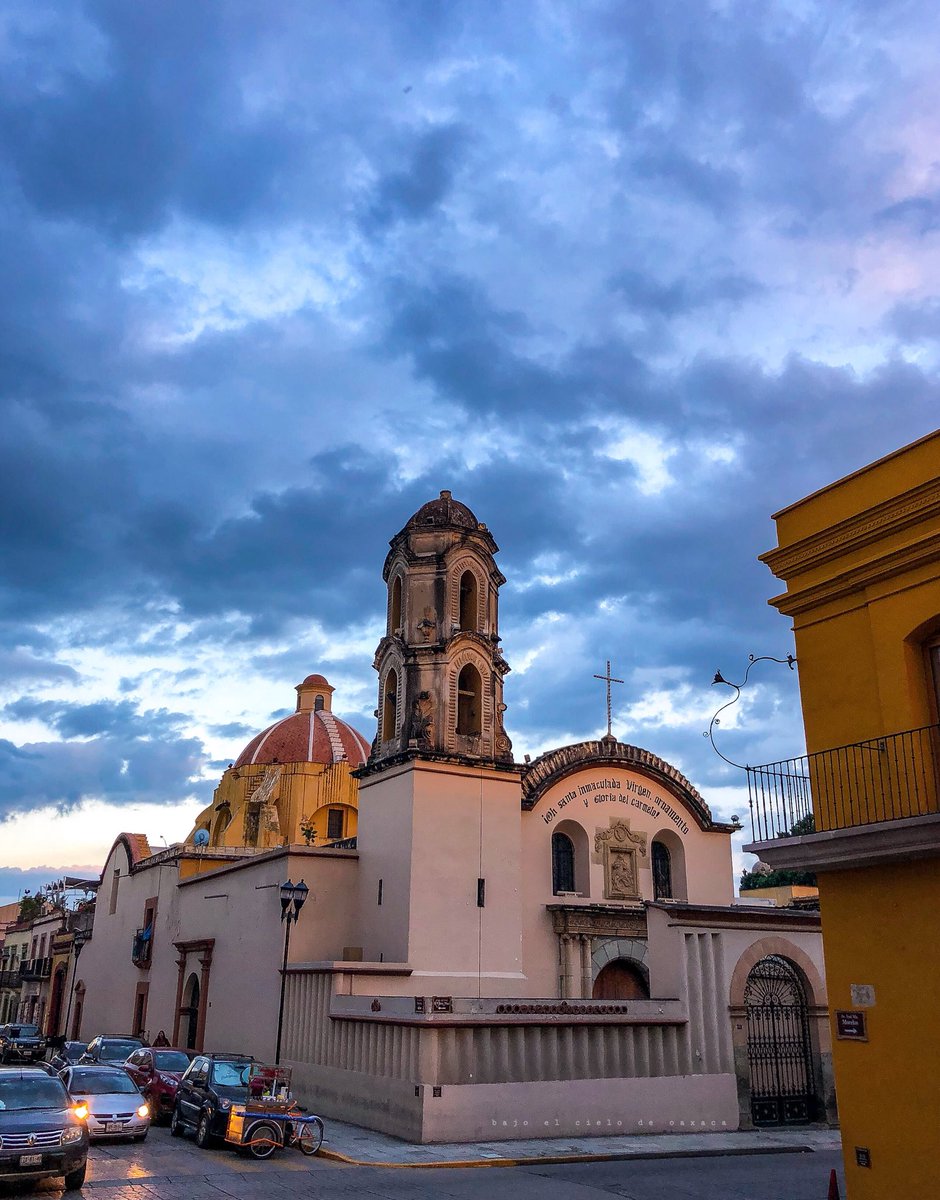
[164, 1168]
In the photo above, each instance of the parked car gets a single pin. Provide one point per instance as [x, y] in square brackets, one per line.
[42, 1133]
[115, 1106]
[67, 1055]
[111, 1051]
[209, 1087]
[157, 1071]
[21, 1043]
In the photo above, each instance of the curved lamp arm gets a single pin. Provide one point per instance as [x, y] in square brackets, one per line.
[789, 661]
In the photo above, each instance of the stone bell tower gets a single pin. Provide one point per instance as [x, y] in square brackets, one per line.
[440, 666]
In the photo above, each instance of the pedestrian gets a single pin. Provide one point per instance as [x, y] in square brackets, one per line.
[161, 1039]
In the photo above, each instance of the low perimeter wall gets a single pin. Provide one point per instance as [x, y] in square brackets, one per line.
[499, 1111]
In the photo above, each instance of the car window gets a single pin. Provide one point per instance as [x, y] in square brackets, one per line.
[112, 1048]
[17, 1093]
[24, 1031]
[170, 1060]
[230, 1074]
[100, 1083]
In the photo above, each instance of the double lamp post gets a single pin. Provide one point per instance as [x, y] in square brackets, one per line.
[293, 896]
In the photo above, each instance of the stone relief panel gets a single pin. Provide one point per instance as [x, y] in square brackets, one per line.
[619, 849]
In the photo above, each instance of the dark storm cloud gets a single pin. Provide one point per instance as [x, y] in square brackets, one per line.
[546, 239]
[118, 769]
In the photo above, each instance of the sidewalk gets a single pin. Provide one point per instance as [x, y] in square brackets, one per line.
[355, 1145]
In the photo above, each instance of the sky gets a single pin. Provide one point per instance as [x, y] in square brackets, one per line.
[625, 278]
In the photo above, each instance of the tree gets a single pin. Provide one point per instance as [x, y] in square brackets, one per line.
[30, 907]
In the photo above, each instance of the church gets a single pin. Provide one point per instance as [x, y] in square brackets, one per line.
[488, 949]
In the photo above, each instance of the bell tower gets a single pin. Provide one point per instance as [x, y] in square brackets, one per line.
[439, 664]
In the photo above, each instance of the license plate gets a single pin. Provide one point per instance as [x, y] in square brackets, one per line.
[30, 1160]
[113, 1126]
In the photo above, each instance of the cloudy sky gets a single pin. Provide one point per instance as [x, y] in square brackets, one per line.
[626, 277]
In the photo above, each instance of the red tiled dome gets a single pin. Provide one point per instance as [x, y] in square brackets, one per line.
[318, 681]
[312, 736]
[443, 511]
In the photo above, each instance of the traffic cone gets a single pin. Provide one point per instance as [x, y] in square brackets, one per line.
[833, 1185]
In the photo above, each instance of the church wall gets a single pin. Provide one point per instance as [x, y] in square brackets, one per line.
[590, 800]
[430, 832]
[554, 1073]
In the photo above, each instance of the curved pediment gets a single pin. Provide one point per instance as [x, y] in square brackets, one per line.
[554, 765]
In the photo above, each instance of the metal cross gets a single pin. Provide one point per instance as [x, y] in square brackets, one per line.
[609, 680]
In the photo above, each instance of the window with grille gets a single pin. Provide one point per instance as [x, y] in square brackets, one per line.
[662, 872]
[334, 824]
[562, 863]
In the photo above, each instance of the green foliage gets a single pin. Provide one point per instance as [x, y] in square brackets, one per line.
[30, 908]
[781, 878]
[803, 827]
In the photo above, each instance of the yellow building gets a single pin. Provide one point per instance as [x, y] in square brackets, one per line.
[292, 783]
[861, 563]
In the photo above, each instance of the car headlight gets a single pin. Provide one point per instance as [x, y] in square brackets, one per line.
[81, 1111]
[144, 1111]
[167, 1079]
[71, 1133]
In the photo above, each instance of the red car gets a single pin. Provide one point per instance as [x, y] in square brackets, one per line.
[157, 1072]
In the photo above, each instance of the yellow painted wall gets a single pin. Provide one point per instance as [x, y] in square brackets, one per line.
[880, 928]
[304, 790]
[861, 560]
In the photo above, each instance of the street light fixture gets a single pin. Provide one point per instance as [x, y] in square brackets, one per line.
[79, 938]
[293, 897]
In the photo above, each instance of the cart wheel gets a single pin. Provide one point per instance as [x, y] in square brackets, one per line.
[262, 1139]
[310, 1136]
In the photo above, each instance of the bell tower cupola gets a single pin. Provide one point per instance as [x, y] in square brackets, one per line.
[440, 666]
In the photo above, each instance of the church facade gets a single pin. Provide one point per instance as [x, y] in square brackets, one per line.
[503, 950]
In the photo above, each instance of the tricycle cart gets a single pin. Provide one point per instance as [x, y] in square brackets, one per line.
[271, 1118]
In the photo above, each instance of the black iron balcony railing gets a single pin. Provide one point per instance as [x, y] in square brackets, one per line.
[885, 779]
[142, 948]
[36, 968]
[346, 843]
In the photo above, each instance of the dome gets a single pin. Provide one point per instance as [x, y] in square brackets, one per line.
[445, 511]
[311, 734]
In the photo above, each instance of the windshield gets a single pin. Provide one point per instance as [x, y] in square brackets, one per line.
[170, 1060]
[24, 1031]
[117, 1050]
[19, 1093]
[230, 1074]
[74, 1049]
[100, 1083]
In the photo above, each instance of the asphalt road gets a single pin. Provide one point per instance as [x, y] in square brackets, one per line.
[164, 1168]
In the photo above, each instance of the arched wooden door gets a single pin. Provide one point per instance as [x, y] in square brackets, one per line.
[779, 1050]
[620, 980]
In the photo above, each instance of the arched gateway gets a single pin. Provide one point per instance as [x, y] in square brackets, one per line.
[779, 1050]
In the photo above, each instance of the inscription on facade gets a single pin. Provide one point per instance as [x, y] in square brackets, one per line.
[629, 792]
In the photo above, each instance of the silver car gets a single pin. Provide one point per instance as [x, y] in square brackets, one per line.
[115, 1106]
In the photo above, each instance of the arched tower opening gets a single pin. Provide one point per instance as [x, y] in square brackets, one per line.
[469, 701]
[390, 706]
[394, 616]
[469, 603]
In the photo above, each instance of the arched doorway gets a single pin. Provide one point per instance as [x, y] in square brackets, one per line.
[55, 1001]
[621, 979]
[779, 1051]
[190, 1012]
[78, 1005]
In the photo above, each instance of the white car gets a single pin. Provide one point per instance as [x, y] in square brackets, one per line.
[115, 1106]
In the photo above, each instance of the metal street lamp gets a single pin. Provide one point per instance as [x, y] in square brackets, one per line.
[293, 896]
[79, 938]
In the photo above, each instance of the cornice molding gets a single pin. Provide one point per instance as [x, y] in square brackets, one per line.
[925, 552]
[856, 532]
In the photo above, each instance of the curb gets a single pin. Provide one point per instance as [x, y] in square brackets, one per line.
[552, 1160]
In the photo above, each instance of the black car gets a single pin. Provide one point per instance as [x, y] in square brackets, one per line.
[67, 1055]
[21, 1043]
[41, 1135]
[212, 1083]
[110, 1051]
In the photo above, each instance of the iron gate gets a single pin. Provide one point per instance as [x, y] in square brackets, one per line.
[779, 1052]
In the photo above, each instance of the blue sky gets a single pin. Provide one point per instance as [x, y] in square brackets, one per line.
[626, 278]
